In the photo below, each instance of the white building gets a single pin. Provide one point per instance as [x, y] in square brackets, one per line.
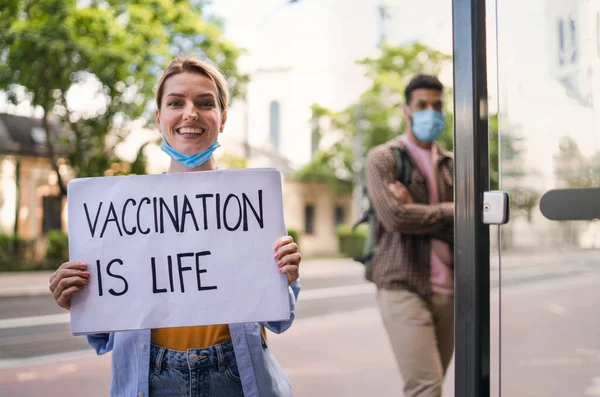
[549, 53]
[574, 47]
[301, 55]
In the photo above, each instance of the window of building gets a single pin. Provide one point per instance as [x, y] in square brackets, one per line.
[561, 42]
[573, 39]
[340, 215]
[274, 123]
[52, 215]
[38, 135]
[309, 219]
[598, 34]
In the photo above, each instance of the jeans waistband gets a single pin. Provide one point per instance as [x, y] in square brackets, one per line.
[216, 355]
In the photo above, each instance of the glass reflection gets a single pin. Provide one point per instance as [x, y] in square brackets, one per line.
[548, 59]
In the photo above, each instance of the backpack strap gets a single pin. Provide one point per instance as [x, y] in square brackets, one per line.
[450, 164]
[403, 166]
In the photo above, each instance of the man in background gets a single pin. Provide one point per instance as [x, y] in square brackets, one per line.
[413, 262]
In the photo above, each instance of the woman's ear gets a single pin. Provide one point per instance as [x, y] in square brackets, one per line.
[223, 120]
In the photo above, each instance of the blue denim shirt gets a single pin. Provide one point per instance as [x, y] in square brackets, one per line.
[260, 373]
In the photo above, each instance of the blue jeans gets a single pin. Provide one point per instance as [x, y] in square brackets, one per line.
[210, 372]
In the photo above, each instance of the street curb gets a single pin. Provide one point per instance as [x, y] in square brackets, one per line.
[20, 293]
[24, 284]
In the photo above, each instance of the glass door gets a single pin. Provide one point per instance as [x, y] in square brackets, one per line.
[545, 278]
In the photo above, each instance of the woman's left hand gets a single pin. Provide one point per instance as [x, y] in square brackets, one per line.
[286, 250]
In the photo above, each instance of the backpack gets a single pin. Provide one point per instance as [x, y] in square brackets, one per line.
[403, 174]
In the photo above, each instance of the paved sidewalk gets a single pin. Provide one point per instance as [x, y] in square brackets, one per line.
[345, 354]
[522, 258]
[24, 283]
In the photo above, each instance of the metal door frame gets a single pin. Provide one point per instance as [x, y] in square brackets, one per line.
[471, 179]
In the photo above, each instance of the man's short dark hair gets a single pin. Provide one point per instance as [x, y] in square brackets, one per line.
[422, 81]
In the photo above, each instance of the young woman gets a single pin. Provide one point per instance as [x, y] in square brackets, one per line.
[216, 360]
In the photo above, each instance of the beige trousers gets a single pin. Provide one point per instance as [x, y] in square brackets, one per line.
[422, 337]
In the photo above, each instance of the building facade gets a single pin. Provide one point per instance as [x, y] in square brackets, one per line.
[30, 200]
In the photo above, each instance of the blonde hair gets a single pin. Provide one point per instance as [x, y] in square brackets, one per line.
[193, 65]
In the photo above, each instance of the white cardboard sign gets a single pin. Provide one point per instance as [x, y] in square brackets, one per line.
[169, 250]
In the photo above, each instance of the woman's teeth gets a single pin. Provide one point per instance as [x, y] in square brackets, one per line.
[193, 131]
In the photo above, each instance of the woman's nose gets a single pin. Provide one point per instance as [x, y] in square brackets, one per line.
[191, 113]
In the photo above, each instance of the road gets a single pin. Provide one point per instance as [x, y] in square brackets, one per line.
[550, 339]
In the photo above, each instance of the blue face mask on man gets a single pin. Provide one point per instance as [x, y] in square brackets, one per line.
[189, 160]
[427, 125]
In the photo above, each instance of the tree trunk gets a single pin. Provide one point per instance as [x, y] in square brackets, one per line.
[52, 154]
[17, 206]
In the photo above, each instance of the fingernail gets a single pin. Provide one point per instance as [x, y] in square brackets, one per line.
[276, 255]
[279, 263]
[280, 270]
[86, 273]
[83, 266]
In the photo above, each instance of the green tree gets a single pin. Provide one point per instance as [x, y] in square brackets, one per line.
[381, 114]
[574, 170]
[571, 167]
[571, 170]
[493, 151]
[48, 47]
[380, 108]
[507, 151]
[231, 161]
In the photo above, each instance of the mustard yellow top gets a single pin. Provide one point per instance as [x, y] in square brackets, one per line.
[196, 337]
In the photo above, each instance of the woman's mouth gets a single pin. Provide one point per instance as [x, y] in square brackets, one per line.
[190, 131]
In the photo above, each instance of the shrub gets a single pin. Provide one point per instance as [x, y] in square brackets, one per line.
[295, 234]
[58, 248]
[351, 243]
[6, 244]
[14, 253]
[7, 252]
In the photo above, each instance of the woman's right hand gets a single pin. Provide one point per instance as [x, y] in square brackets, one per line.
[69, 278]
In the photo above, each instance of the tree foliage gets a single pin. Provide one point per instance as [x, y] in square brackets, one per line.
[573, 169]
[117, 49]
[379, 112]
[379, 109]
[507, 165]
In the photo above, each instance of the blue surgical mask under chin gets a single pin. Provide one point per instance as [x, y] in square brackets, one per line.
[427, 125]
[189, 160]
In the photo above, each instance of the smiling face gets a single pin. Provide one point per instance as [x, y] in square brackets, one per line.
[189, 113]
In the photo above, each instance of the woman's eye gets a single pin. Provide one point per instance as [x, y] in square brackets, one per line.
[174, 103]
[207, 104]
